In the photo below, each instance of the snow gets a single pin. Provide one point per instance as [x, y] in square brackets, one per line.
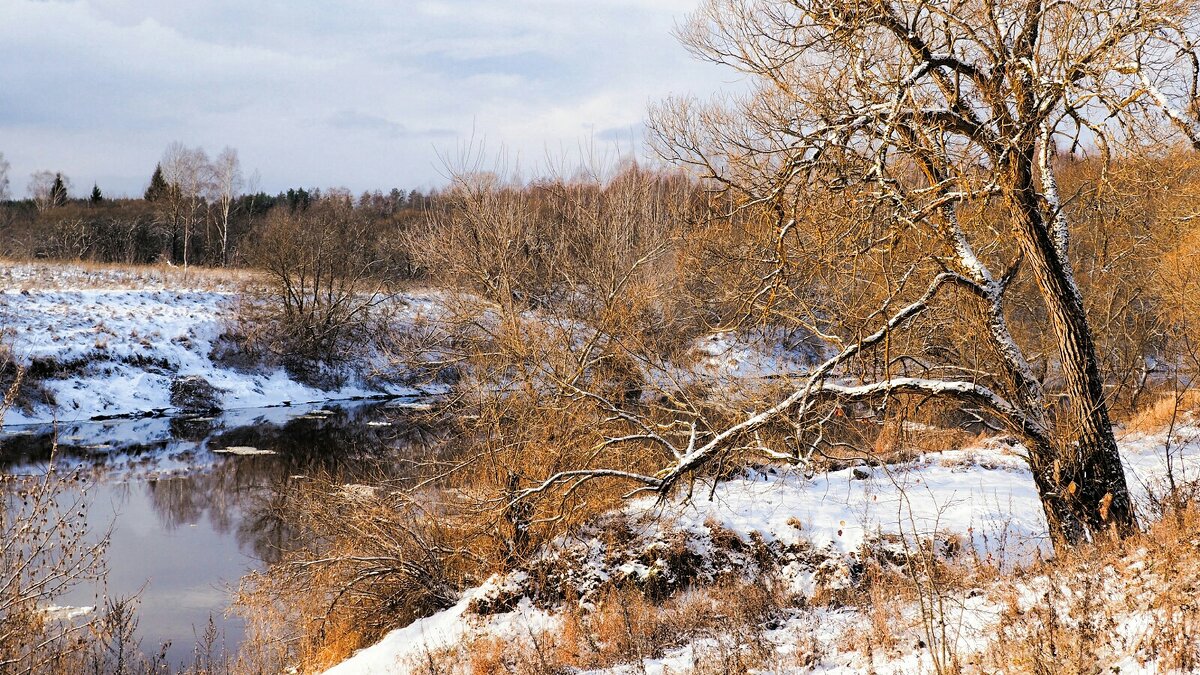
[983, 497]
[402, 650]
[403, 647]
[758, 353]
[987, 495]
[243, 451]
[114, 350]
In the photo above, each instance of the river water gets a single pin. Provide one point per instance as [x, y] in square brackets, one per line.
[186, 520]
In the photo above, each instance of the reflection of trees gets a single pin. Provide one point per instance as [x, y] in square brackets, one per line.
[266, 528]
[19, 452]
[185, 500]
[228, 495]
[252, 496]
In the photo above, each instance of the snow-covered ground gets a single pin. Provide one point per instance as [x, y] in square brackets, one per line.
[756, 353]
[983, 499]
[109, 342]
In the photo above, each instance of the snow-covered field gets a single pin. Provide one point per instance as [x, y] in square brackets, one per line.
[981, 498]
[109, 342]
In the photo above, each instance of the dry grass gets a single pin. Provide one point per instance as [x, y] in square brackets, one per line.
[82, 275]
[1170, 408]
[729, 621]
[1135, 597]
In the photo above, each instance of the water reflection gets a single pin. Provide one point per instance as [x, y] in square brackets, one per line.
[188, 522]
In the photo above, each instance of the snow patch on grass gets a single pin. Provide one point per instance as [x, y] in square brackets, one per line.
[243, 451]
[758, 353]
[403, 650]
[98, 350]
[984, 498]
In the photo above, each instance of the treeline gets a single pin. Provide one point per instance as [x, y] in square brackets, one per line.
[195, 211]
[536, 244]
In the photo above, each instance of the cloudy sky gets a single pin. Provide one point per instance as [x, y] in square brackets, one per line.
[359, 93]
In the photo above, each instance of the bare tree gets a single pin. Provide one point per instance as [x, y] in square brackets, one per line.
[227, 183]
[4, 184]
[189, 174]
[938, 124]
[324, 278]
[909, 147]
[48, 189]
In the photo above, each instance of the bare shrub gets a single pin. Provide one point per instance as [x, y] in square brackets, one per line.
[585, 248]
[46, 548]
[362, 561]
[325, 277]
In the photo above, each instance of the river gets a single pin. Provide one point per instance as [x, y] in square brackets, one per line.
[187, 519]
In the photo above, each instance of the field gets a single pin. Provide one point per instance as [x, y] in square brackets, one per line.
[100, 341]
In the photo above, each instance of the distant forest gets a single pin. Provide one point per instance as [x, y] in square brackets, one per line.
[195, 211]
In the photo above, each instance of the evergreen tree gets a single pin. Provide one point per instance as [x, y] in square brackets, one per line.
[4, 167]
[58, 191]
[97, 196]
[298, 199]
[158, 185]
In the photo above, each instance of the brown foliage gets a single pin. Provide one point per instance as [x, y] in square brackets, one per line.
[625, 628]
[326, 272]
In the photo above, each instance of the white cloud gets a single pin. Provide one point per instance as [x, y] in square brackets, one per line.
[362, 93]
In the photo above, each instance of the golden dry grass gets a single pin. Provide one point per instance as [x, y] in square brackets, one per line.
[625, 627]
[1167, 408]
[46, 275]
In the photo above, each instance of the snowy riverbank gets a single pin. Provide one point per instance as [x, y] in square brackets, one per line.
[981, 500]
[106, 342]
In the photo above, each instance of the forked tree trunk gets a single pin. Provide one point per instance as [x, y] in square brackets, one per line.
[1080, 479]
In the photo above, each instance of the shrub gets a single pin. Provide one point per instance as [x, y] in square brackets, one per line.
[325, 277]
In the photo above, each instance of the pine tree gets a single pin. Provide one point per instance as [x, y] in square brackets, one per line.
[97, 196]
[158, 185]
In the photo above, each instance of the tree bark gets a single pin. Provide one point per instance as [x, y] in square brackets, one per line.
[1081, 481]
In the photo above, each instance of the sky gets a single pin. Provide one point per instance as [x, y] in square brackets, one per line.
[364, 94]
